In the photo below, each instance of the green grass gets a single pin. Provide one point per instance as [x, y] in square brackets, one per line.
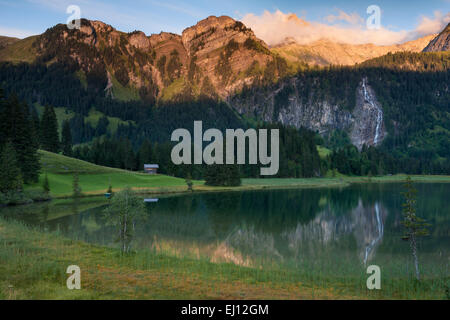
[94, 179]
[94, 116]
[33, 265]
[122, 93]
[294, 182]
[323, 152]
[21, 51]
[175, 88]
[399, 178]
[62, 114]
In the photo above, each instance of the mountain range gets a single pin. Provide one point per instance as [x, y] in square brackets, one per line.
[392, 96]
[217, 57]
[326, 52]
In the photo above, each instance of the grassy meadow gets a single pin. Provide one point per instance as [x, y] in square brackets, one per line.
[33, 265]
[94, 179]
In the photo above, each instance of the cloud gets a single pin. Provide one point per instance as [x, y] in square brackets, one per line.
[352, 18]
[432, 25]
[275, 27]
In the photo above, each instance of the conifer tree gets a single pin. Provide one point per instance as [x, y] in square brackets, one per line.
[46, 185]
[76, 186]
[36, 127]
[49, 130]
[414, 226]
[189, 182]
[66, 139]
[145, 154]
[16, 127]
[10, 174]
[222, 175]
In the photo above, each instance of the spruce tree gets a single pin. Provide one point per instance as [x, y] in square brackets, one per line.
[49, 130]
[16, 127]
[233, 177]
[10, 174]
[46, 185]
[145, 154]
[129, 160]
[222, 175]
[36, 127]
[76, 186]
[415, 226]
[66, 139]
[189, 182]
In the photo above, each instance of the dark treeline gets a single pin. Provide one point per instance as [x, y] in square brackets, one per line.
[18, 131]
[19, 142]
[298, 155]
[37, 83]
[345, 158]
[160, 124]
[373, 161]
[22, 133]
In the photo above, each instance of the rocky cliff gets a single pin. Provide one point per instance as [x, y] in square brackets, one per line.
[364, 121]
[366, 223]
[441, 42]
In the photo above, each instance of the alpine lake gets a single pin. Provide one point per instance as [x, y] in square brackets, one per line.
[319, 233]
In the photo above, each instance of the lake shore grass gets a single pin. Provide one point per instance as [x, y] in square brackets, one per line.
[33, 266]
[94, 180]
[97, 184]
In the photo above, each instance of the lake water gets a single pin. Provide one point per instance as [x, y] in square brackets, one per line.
[329, 230]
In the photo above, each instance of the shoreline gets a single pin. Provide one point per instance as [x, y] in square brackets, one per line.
[258, 184]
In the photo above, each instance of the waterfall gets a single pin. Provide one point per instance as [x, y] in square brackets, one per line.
[368, 98]
[380, 229]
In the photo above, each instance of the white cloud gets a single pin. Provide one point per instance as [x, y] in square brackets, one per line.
[432, 25]
[352, 18]
[277, 26]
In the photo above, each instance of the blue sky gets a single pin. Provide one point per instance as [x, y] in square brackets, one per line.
[26, 17]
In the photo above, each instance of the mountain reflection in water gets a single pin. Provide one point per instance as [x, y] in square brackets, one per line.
[271, 227]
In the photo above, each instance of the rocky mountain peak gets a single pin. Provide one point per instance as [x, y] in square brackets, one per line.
[294, 18]
[139, 40]
[156, 39]
[215, 32]
[441, 42]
